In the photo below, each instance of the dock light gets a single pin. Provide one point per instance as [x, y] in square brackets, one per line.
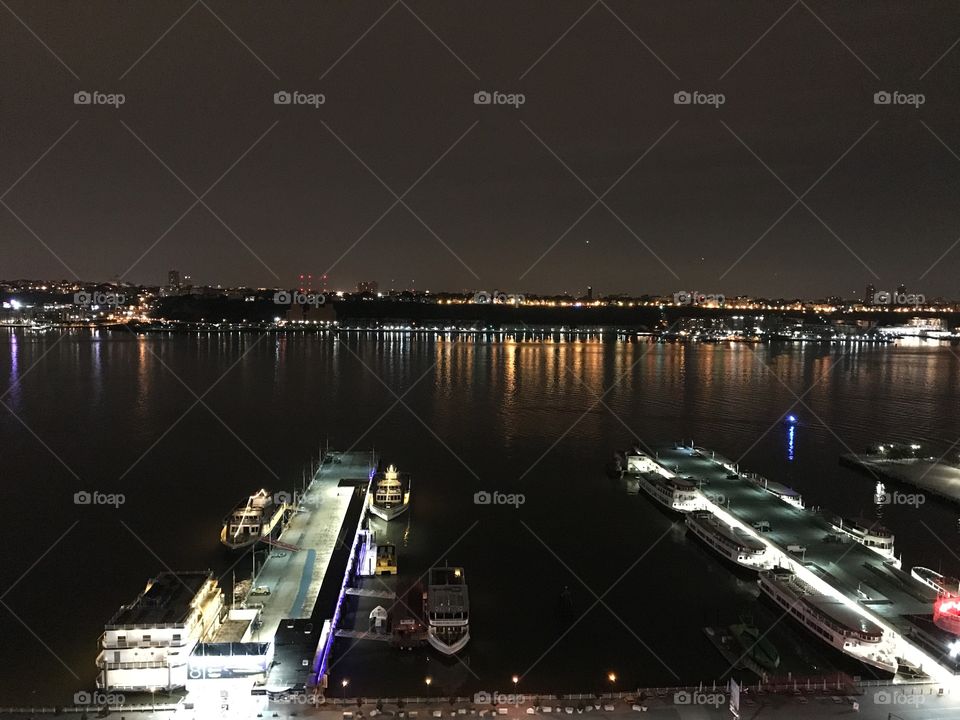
[612, 677]
[791, 419]
[515, 679]
[954, 648]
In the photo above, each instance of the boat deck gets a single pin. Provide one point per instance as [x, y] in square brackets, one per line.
[295, 577]
[856, 571]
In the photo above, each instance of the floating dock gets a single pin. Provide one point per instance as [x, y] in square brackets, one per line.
[927, 474]
[299, 591]
[807, 543]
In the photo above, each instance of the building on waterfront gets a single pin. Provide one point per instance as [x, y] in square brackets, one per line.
[869, 297]
[368, 286]
[147, 644]
[173, 280]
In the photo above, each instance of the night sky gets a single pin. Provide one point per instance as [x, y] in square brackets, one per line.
[501, 197]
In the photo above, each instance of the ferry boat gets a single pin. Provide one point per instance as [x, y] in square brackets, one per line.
[676, 493]
[446, 607]
[830, 619]
[785, 493]
[252, 520]
[932, 579]
[870, 534]
[391, 494]
[730, 542]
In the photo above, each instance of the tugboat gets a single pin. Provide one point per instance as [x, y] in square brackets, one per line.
[446, 606]
[252, 520]
[391, 495]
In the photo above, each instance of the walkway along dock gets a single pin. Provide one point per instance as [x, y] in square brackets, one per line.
[831, 563]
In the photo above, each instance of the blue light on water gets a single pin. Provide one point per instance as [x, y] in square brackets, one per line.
[791, 432]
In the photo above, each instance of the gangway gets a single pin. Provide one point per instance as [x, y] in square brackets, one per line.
[282, 545]
[361, 592]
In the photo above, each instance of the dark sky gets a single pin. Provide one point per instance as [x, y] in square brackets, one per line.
[510, 182]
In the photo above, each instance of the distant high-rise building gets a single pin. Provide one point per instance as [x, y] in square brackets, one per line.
[901, 289]
[370, 286]
[589, 292]
[173, 279]
[870, 295]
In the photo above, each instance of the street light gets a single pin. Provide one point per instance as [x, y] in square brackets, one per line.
[343, 684]
[428, 680]
[612, 677]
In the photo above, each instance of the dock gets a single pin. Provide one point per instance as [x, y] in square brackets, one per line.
[930, 475]
[808, 543]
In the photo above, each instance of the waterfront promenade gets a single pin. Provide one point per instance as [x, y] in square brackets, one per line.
[875, 702]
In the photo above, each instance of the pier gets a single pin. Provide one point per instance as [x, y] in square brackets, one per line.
[831, 562]
[927, 474]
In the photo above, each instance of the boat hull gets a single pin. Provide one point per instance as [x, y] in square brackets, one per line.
[390, 513]
[444, 648]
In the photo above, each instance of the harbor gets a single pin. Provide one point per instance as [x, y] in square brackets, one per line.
[834, 579]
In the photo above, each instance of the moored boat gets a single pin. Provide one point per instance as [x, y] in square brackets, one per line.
[252, 520]
[446, 608]
[391, 494]
[727, 541]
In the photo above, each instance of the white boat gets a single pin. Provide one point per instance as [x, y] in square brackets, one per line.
[942, 584]
[391, 494]
[675, 493]
[446, 607]
[252, 520]
[830, 619]
[785, 493]
[729, 542]
[870, 534]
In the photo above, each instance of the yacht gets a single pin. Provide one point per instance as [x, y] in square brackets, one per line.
[833, 621]
[870, 534]
[446, 606]
[252, 520]
[391, 494]
[676, 493]
[932, 579]
[730, 542]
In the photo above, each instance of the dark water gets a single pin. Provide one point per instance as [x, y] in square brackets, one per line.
[120, 414]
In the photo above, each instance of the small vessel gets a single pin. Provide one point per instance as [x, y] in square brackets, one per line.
[946, 613]
[870, 534]
[676, 493]
[785, 493]
[446, 607]
[729, 542]
[756, 647]
[910, 670]
[830, 619]
[932, 579]
[391, 494]
[252, 520]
